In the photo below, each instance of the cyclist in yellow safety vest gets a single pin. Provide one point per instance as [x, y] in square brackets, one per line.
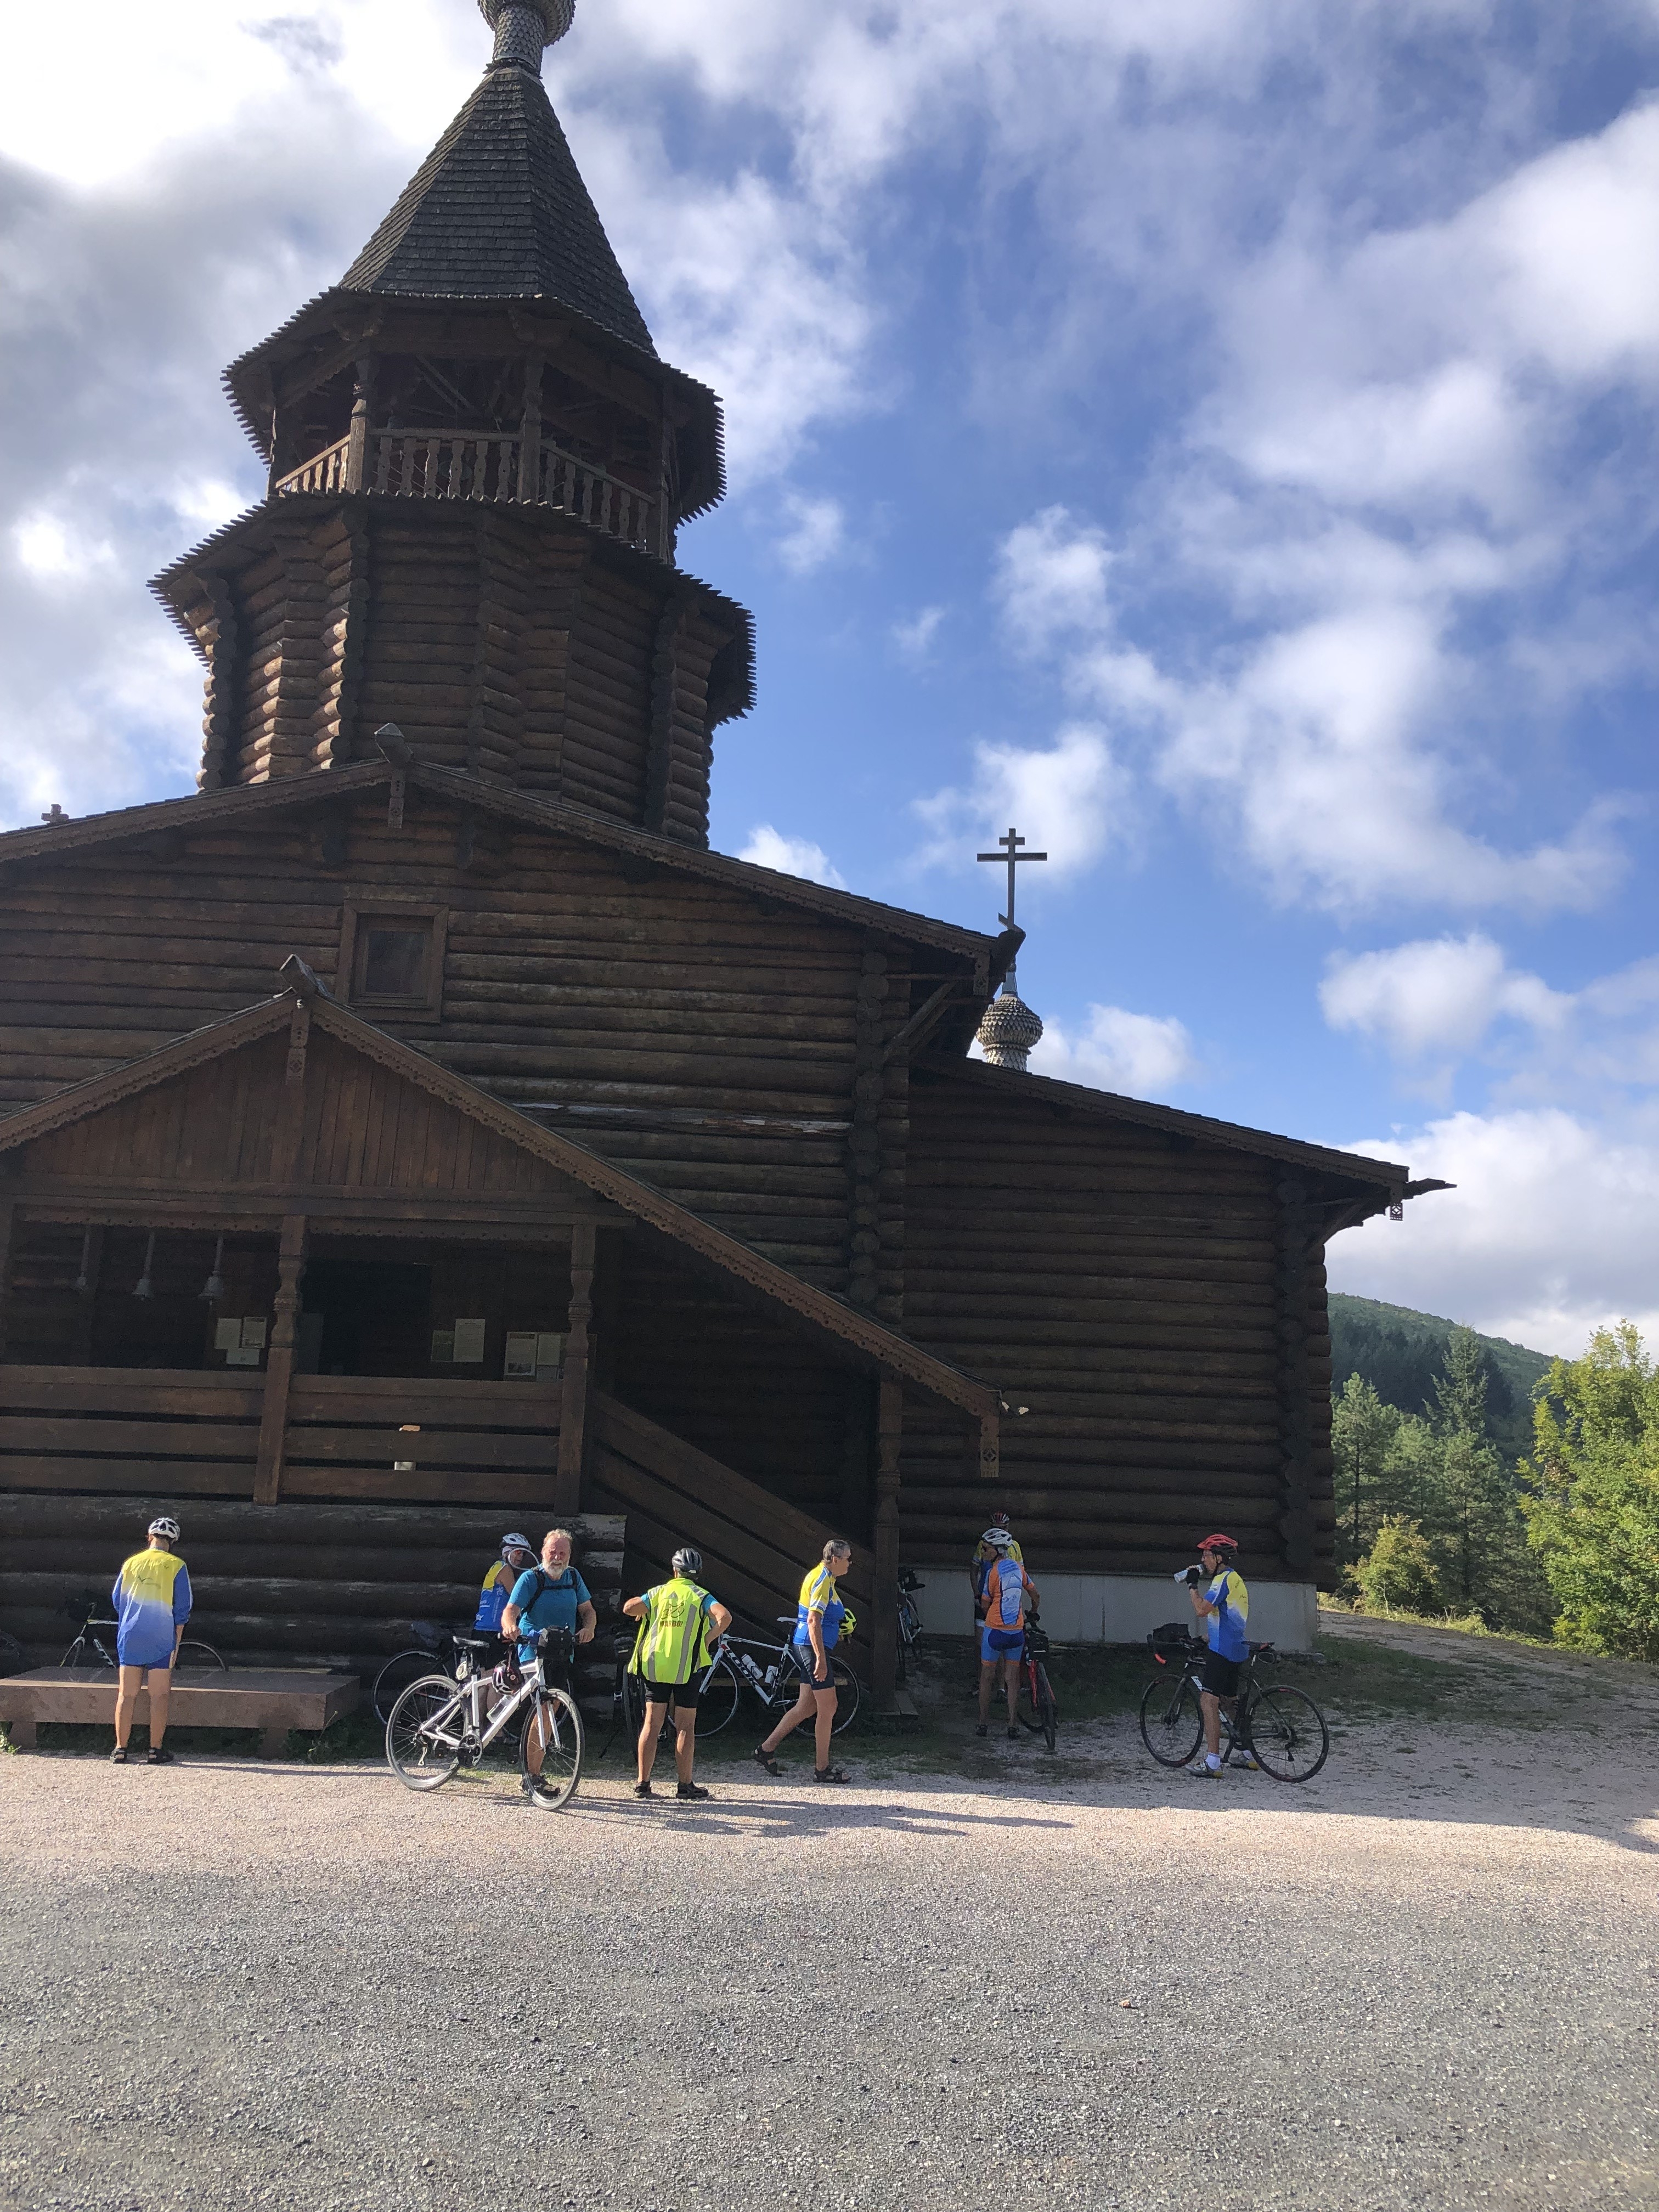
[671, 1656]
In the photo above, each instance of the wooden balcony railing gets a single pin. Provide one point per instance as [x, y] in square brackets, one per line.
[483, 464]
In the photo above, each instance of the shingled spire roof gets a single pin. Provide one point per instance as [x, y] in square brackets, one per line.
[498, 208]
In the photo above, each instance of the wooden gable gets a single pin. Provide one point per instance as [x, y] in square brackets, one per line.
[362, 1132]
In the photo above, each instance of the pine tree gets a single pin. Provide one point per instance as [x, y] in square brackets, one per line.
[1362, 1432]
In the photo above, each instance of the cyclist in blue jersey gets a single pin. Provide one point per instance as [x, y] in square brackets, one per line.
[551, 1595]
[1010, 1594]
[152, 1602]
[821, 1621]
[518, 1557]
[1222, 1602]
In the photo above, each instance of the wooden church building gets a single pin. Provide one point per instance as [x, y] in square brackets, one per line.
[419, 1131]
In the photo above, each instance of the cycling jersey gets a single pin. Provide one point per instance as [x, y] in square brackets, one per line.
[493, 1598]
[1005, 1595]
[152, 1601]
[546, 1600]
[1226, 1623]
[985, 1558]
[819, 1594]
[672, 1643]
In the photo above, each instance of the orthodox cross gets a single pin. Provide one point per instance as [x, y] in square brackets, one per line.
[56, 815]
[1012, 855]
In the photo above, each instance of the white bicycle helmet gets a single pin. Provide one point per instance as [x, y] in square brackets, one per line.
[999, 1539]
[165, 1525]
[512, 1541]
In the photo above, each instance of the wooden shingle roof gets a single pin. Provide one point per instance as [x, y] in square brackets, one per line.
[498, 210]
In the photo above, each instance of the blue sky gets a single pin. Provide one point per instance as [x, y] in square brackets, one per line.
[1218, 437]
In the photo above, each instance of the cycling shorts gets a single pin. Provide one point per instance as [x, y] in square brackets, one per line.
[1220, 1676]
[683, 1696]
[996, 1643]
[805, 1665]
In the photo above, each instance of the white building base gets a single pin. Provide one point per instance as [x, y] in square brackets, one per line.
[1119, 1608]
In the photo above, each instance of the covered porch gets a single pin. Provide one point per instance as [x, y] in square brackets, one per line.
[289, 1266]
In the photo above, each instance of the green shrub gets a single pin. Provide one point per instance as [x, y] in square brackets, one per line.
[1400, 1573]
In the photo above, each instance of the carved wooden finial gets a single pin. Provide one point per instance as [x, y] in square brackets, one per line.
[302, 979]
[394, 746]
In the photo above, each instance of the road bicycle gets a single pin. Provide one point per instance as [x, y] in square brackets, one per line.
[449, 1651]
[1038, 1708]
[1279, 1725]
[738, 1663]
[439, 1724]
[909, 1619]
[89, 1647]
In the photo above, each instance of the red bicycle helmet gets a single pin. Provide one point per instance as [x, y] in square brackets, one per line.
[1219, 1544]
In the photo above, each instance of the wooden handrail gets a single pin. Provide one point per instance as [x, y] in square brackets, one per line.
[482, 464]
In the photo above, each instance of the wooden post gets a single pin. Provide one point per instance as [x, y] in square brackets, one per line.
[889, 1422]
[279, 1362]
[8, 1218]
[530, 431]
[990, 1447]
[357, 443]
[573, 1410]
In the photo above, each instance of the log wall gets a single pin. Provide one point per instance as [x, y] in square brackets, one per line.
[675, 1026]
[496, 642]
[1134, 1291]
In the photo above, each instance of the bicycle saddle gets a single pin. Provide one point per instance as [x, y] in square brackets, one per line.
[1257, 1649]
[470, 1643]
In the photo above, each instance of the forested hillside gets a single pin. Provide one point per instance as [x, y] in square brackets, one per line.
[1401, 1353]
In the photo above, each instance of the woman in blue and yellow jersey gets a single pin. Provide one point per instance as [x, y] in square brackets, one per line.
[821, 1621]
[518, 1556]
[152, 1603]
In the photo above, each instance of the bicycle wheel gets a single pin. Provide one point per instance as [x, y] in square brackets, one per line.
[1287, 1732]
[1172, 1726]
[395, 1677]
[719, 1699]
[1048, 1708]
[848, 1693]
[84, 1653]
[195, 1658]
[423, 1733]
[552, 1747]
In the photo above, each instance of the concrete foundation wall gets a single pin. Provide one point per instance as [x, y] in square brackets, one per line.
[1119, 1608]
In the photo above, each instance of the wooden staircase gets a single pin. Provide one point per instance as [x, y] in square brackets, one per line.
[755, 1548]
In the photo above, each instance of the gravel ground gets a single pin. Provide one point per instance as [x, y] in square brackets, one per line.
[1427, 1979]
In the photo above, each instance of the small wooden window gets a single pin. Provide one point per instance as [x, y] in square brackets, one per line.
[392, 959]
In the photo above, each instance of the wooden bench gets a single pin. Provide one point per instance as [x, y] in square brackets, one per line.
[271, 1700]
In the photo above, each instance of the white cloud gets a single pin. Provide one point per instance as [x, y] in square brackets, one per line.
[1438, 1000]
[1550, 1231]
[817, 533]
[1071, 800]
[1437, 995]
[1139, 1055]
[791, 856]
[914, 638]
[1310, 755]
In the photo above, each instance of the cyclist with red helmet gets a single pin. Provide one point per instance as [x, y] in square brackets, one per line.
[1222, 1602]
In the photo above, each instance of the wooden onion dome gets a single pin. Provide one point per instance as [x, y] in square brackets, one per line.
[1009, 1030]
[479, 467]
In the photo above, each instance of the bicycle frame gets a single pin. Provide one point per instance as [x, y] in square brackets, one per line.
[485, 1727]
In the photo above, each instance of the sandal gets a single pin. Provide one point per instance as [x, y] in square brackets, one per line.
[830, 1774]
[762, 1757]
